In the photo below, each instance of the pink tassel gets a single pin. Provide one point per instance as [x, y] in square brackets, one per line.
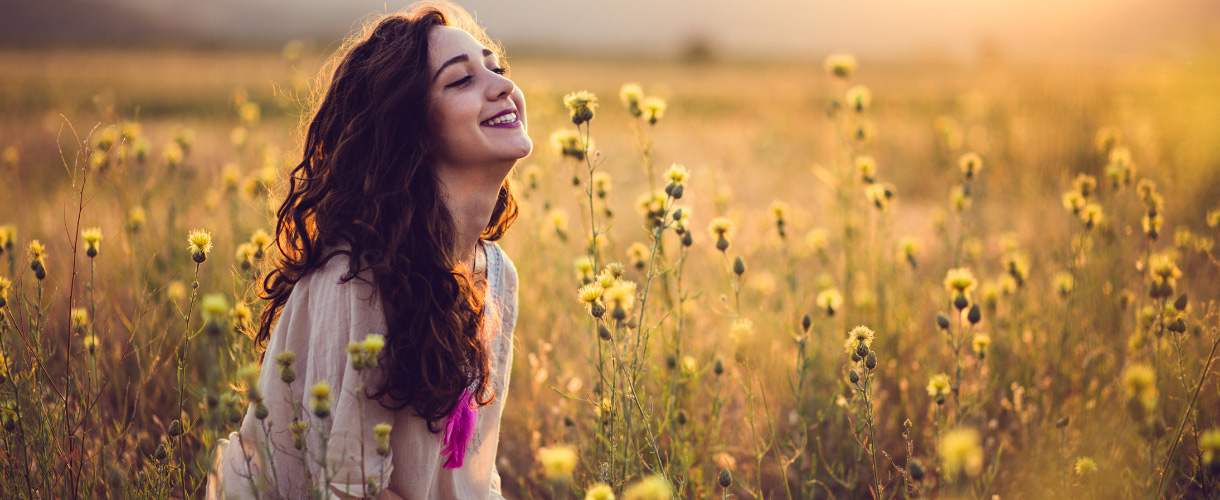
[458, 430]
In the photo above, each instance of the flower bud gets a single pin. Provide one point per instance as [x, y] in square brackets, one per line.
[175, 428]
[1180, 304]
[1178, 326]
[160, 453]
[853, 376]
[677, 193]
[870, 361]
[739, 266]
[688, 241]
[942, 321]
[604, 333]
[260, 410]
[806, 322]
[915, 469]
[597, 310]
[721, 243]
[726, 478]
[681, 417]
[862, 350]
[718, 368]
[975, 315]
[960, 301]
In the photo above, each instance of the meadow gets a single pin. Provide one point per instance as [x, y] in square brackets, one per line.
[782, 279]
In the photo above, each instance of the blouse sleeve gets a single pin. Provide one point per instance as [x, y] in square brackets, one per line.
[341, 313]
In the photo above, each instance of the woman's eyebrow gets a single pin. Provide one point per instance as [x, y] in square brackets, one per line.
[457, 59]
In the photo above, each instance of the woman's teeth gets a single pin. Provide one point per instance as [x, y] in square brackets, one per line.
[511, 117]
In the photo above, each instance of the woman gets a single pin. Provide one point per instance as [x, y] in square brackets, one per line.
[384, 231]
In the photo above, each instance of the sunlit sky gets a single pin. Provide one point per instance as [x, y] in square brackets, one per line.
[958, 29]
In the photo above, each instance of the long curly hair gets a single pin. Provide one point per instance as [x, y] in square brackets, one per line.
[367, 180]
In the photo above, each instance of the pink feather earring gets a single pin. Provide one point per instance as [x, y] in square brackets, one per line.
[458, 431]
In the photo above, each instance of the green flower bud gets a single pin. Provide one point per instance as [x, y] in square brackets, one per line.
[726, 478]
[942, 321]
[739, 266]
[870, 361]
[853, 376]
[975, 315]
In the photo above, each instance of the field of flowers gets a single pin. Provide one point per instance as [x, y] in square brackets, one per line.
[833, 279]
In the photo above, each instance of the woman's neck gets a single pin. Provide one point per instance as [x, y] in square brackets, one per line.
[470, 196]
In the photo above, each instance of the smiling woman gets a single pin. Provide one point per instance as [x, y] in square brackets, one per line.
[387, 287]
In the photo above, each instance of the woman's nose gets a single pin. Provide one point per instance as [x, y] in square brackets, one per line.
[500, 87]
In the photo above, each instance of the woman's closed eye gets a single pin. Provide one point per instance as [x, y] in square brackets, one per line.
[468, 78]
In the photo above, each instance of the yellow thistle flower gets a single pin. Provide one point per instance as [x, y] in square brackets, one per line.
[939, 387]
[650, 488]
[970, 164]
[200, 244]
[11, 157]
[960, 450]
[584, 267]
[372, 345]
[381, 434]
[654, 109]
[631, 94]
[637, 254]
[558, 461]
[840, 65]
[959, 199]
[1091, 215]
[1107, 138]
[135, 218]
[879, 195]
[1084, 466]
[92, 237]
[908, 249]
[581, 105]
[866, 166]
[37, 251]
[817, 240]
[589, 294]
[557, 224]
[721, 227]
[8, 233]
[260, 239]
[779, 211]
[240, 314]
[677, 174]
[5, 285]
[1085, 184]
[1064, 283]
[980, 343]
[829, 301]
[1163, 267]
[90, 344]
[859, 98]
[688, 367]
[960, 280]
[1139, 385]
[601, 184]
[606, 278]
[213, 307]
[245, 255]
[319, 400]
[1209, 443]
[80, 319]
[620, 296]
[860, 335]
[599, 491]
[570, 144]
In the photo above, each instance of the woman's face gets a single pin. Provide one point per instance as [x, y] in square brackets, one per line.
[478, 115]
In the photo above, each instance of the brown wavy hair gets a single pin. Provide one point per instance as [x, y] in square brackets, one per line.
[367, 180]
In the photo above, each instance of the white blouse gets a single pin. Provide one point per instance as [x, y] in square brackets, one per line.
[319, 319]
